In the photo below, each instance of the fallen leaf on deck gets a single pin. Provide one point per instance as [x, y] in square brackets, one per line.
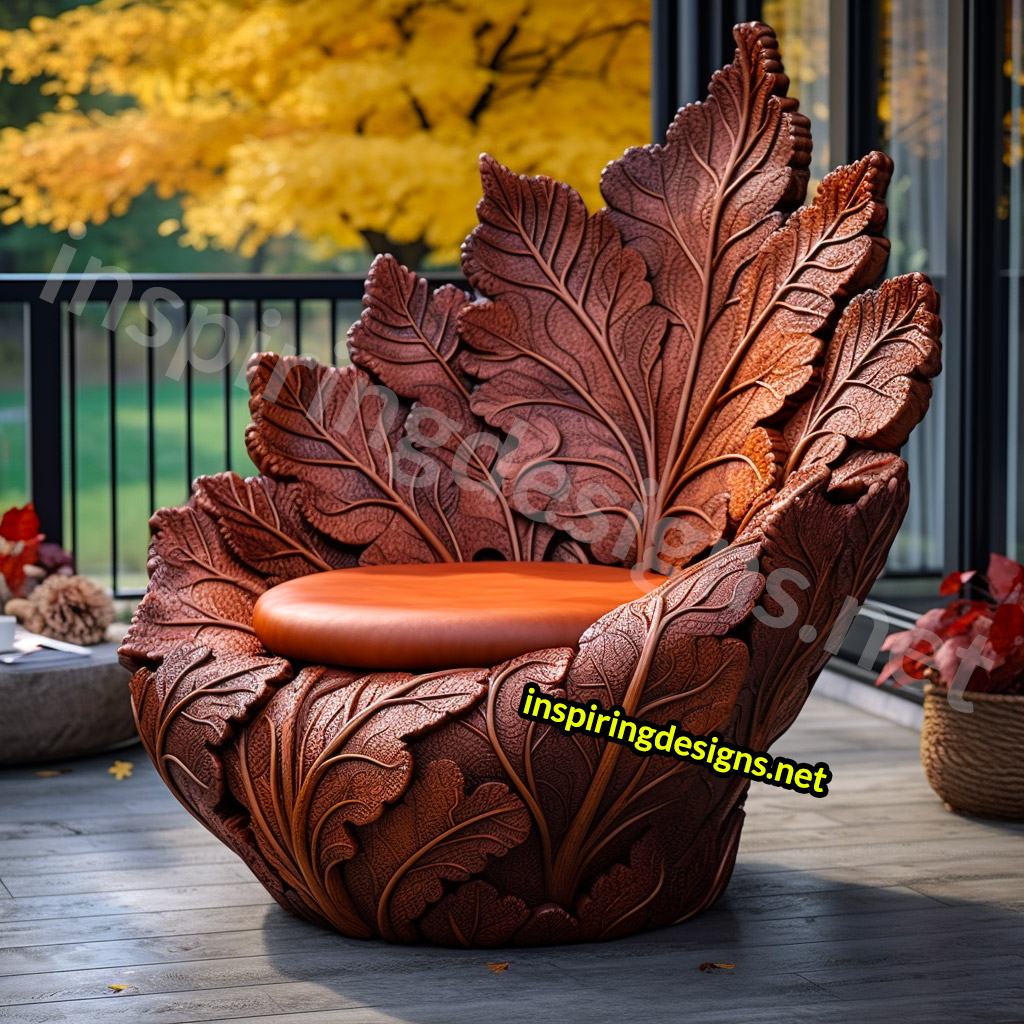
[117, 988]
[121, 769]
[498, 968]
[707, 967]
[49, 773]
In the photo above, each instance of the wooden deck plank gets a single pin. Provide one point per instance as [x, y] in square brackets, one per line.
[114, 879]
[872, 904]
[180, 897]
[161, 856]
[845, 962]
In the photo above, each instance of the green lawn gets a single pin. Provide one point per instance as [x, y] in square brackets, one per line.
[93, 463]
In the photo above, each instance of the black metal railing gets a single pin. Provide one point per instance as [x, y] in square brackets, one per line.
[133, 386]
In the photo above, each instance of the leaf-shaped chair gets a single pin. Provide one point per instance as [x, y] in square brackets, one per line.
[692, 381]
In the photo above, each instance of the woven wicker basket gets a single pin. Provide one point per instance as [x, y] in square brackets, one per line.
[975, 761]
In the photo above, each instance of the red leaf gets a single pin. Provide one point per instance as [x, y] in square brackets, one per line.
[954, 581]
[955, 624]
[1004, 576]
[893, 639]
[12, 566]
[20, 524]
[948, 661]
[1007, 632]
[912, 654]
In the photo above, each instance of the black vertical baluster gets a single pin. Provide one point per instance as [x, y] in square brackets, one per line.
[227, 391]
[41, 322]
[73, 427]
[334, 332]
[297, 313]
[151, 421]
[188, 398]
[112, 378]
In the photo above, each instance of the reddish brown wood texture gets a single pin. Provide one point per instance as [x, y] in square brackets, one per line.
[698, 362]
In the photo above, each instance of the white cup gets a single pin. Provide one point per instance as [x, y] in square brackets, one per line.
[7, 624]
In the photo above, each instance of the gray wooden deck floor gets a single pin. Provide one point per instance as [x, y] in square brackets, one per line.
[873, 904]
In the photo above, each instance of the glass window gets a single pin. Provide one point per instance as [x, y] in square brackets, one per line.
[910, 124]
[803, 30]
[1011, 209]
[913, 105]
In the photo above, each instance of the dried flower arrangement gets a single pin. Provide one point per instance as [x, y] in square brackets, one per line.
[39, 587]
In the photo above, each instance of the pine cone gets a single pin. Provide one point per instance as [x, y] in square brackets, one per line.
[70, 608]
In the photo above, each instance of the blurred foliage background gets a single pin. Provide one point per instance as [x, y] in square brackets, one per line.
[288, 134]
[266, 136]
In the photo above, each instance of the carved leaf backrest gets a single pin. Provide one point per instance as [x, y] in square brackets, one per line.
[626, 386]
[629, 386]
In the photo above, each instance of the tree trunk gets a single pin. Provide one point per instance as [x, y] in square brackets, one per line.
[409, 254]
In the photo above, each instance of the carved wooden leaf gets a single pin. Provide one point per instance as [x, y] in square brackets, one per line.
[548, 925]
[407, 338]
[620, 901]
[263, 524]
[824, 252]
[328, 752]
[698, 207]
[337, 432]
[823, 554]
[371, 479]
[190, 707]
[354, 740]
[475, 915]
[789, 292]
[566, 353]
[197, 591]
[436, 833]
[875, 382]
[660, 661]
[643, 404]
[494, 741]
[187, 713]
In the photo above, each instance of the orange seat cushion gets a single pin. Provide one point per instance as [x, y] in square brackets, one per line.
[439, 615]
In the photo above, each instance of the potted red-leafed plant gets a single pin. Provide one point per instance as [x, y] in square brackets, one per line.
[970, 656]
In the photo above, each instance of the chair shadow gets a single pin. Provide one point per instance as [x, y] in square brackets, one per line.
[803, 947]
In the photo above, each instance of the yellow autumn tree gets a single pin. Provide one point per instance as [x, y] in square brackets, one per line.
[349, 122]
